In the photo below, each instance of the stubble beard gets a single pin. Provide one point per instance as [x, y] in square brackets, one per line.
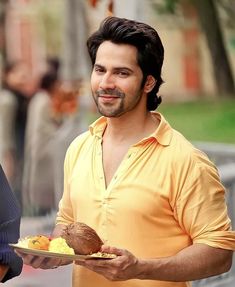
[111, 111]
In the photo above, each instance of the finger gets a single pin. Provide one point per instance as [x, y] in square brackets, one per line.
[80, 262]
[50, 263]
[99, 263]
[66, 262]
[27, 259]
[20, 254]
[112, 250]
[38, 262]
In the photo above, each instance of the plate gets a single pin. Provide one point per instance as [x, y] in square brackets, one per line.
[45, 253]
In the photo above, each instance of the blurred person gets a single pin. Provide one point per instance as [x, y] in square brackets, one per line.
[53, 65]
[42, 123]
[69, 104]
[10, 263]
[13, 114]
[155, 200]
[66, 101]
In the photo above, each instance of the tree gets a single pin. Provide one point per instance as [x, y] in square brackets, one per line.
[208, 16]
[209, 19]
[76, 63]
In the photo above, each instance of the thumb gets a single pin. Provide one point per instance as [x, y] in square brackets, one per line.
[112, 250]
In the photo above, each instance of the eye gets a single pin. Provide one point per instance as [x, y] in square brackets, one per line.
[123, 74]
[99, 70]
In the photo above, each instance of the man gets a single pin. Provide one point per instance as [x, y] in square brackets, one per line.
[13, 114]
[139, 183]
[41, 127]
[10, 263]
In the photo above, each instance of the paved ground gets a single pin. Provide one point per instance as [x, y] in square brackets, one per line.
[31, 277]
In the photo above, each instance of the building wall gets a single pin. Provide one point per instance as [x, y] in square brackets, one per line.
[187, 69]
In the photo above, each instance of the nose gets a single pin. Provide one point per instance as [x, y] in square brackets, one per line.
[107, 81]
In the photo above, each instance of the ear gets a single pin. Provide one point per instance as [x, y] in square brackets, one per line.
[149, 83]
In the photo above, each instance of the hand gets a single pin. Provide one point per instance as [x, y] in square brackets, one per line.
[123, 267]
[41, 261]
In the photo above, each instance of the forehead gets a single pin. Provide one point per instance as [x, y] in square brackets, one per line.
[117, 54]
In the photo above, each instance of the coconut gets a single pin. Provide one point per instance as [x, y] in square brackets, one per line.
[82, 238]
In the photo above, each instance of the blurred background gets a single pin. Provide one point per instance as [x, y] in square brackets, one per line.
[45, 98]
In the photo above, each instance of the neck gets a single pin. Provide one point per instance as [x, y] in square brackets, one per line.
[130, 129]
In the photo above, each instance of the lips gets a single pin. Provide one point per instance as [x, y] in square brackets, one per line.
[107, 99]
[110, 93]
[108, 96]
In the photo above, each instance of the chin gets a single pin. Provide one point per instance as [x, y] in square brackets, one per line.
[110, 113]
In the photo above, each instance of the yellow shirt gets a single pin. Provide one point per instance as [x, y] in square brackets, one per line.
[165, 196]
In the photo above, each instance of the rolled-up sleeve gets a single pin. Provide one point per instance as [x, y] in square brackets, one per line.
[201, 207]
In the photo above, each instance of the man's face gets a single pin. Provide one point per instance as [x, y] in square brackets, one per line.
[116, 79]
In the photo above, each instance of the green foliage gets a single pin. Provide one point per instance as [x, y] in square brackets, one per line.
[232, 42]
[203, 120]
[228, 9]
[166, 7]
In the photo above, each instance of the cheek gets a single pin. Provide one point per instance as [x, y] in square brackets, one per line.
[94, 82]
[131, 89]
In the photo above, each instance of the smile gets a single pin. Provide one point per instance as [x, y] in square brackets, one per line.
[107, 99]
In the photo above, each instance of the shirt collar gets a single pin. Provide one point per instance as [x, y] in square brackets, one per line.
[97, 128]
[163, 133]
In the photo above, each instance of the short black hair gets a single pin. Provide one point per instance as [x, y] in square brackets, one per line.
[144, 38]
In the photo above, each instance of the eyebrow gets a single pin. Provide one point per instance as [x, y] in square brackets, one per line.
[115, 69]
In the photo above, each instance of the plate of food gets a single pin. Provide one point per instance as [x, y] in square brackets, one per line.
[78, 241]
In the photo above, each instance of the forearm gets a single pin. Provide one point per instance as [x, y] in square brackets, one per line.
[195, 262]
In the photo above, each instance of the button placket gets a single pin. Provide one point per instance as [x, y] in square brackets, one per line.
[104, 216]
[100, 170]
